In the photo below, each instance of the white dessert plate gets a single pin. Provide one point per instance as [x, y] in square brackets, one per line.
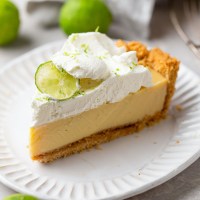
[116, 170]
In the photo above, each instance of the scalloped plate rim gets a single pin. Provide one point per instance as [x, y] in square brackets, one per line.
[126, 194]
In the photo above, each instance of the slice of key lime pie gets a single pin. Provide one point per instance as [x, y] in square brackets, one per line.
[93, 91]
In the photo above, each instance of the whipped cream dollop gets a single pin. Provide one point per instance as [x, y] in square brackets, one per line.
[93, 55]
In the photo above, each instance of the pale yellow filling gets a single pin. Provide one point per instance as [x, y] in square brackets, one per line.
[131, 109]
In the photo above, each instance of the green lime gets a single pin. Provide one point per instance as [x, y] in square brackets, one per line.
[56, 83]
[20, 196]
[9, 22]
[84, 16]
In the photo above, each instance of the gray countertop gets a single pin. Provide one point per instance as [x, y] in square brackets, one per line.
[185, 186]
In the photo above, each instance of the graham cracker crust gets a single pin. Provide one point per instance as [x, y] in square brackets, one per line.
[155, 59]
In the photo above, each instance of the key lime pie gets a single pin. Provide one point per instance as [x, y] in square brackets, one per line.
[93, 91]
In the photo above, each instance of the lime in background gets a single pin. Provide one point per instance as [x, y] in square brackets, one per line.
[84, 16]
[9, 22]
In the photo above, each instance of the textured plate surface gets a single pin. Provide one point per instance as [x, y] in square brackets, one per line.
[119, 169]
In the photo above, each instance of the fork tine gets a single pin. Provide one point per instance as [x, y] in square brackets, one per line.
[194, 6]
[186, 8]
[197, 5]
[196, 15]
[191, 11]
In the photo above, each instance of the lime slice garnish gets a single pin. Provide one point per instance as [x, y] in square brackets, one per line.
[58, 84]
[88, 84]
[20, 197]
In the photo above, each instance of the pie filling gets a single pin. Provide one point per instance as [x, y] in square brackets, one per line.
[133, 108]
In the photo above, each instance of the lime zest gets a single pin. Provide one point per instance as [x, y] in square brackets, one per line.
[71, 54]
[74, 37]
[116, 74]
[131, 68]
[101, 57]
[66, 53]
[80, 93]
[85, 47]
[133, 64]
[97, 99]
[105, 55]
[97, 29]
[43, 98]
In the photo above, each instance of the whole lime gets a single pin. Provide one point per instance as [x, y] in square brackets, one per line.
[9, 22]
[20, 196]
[84, 15]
